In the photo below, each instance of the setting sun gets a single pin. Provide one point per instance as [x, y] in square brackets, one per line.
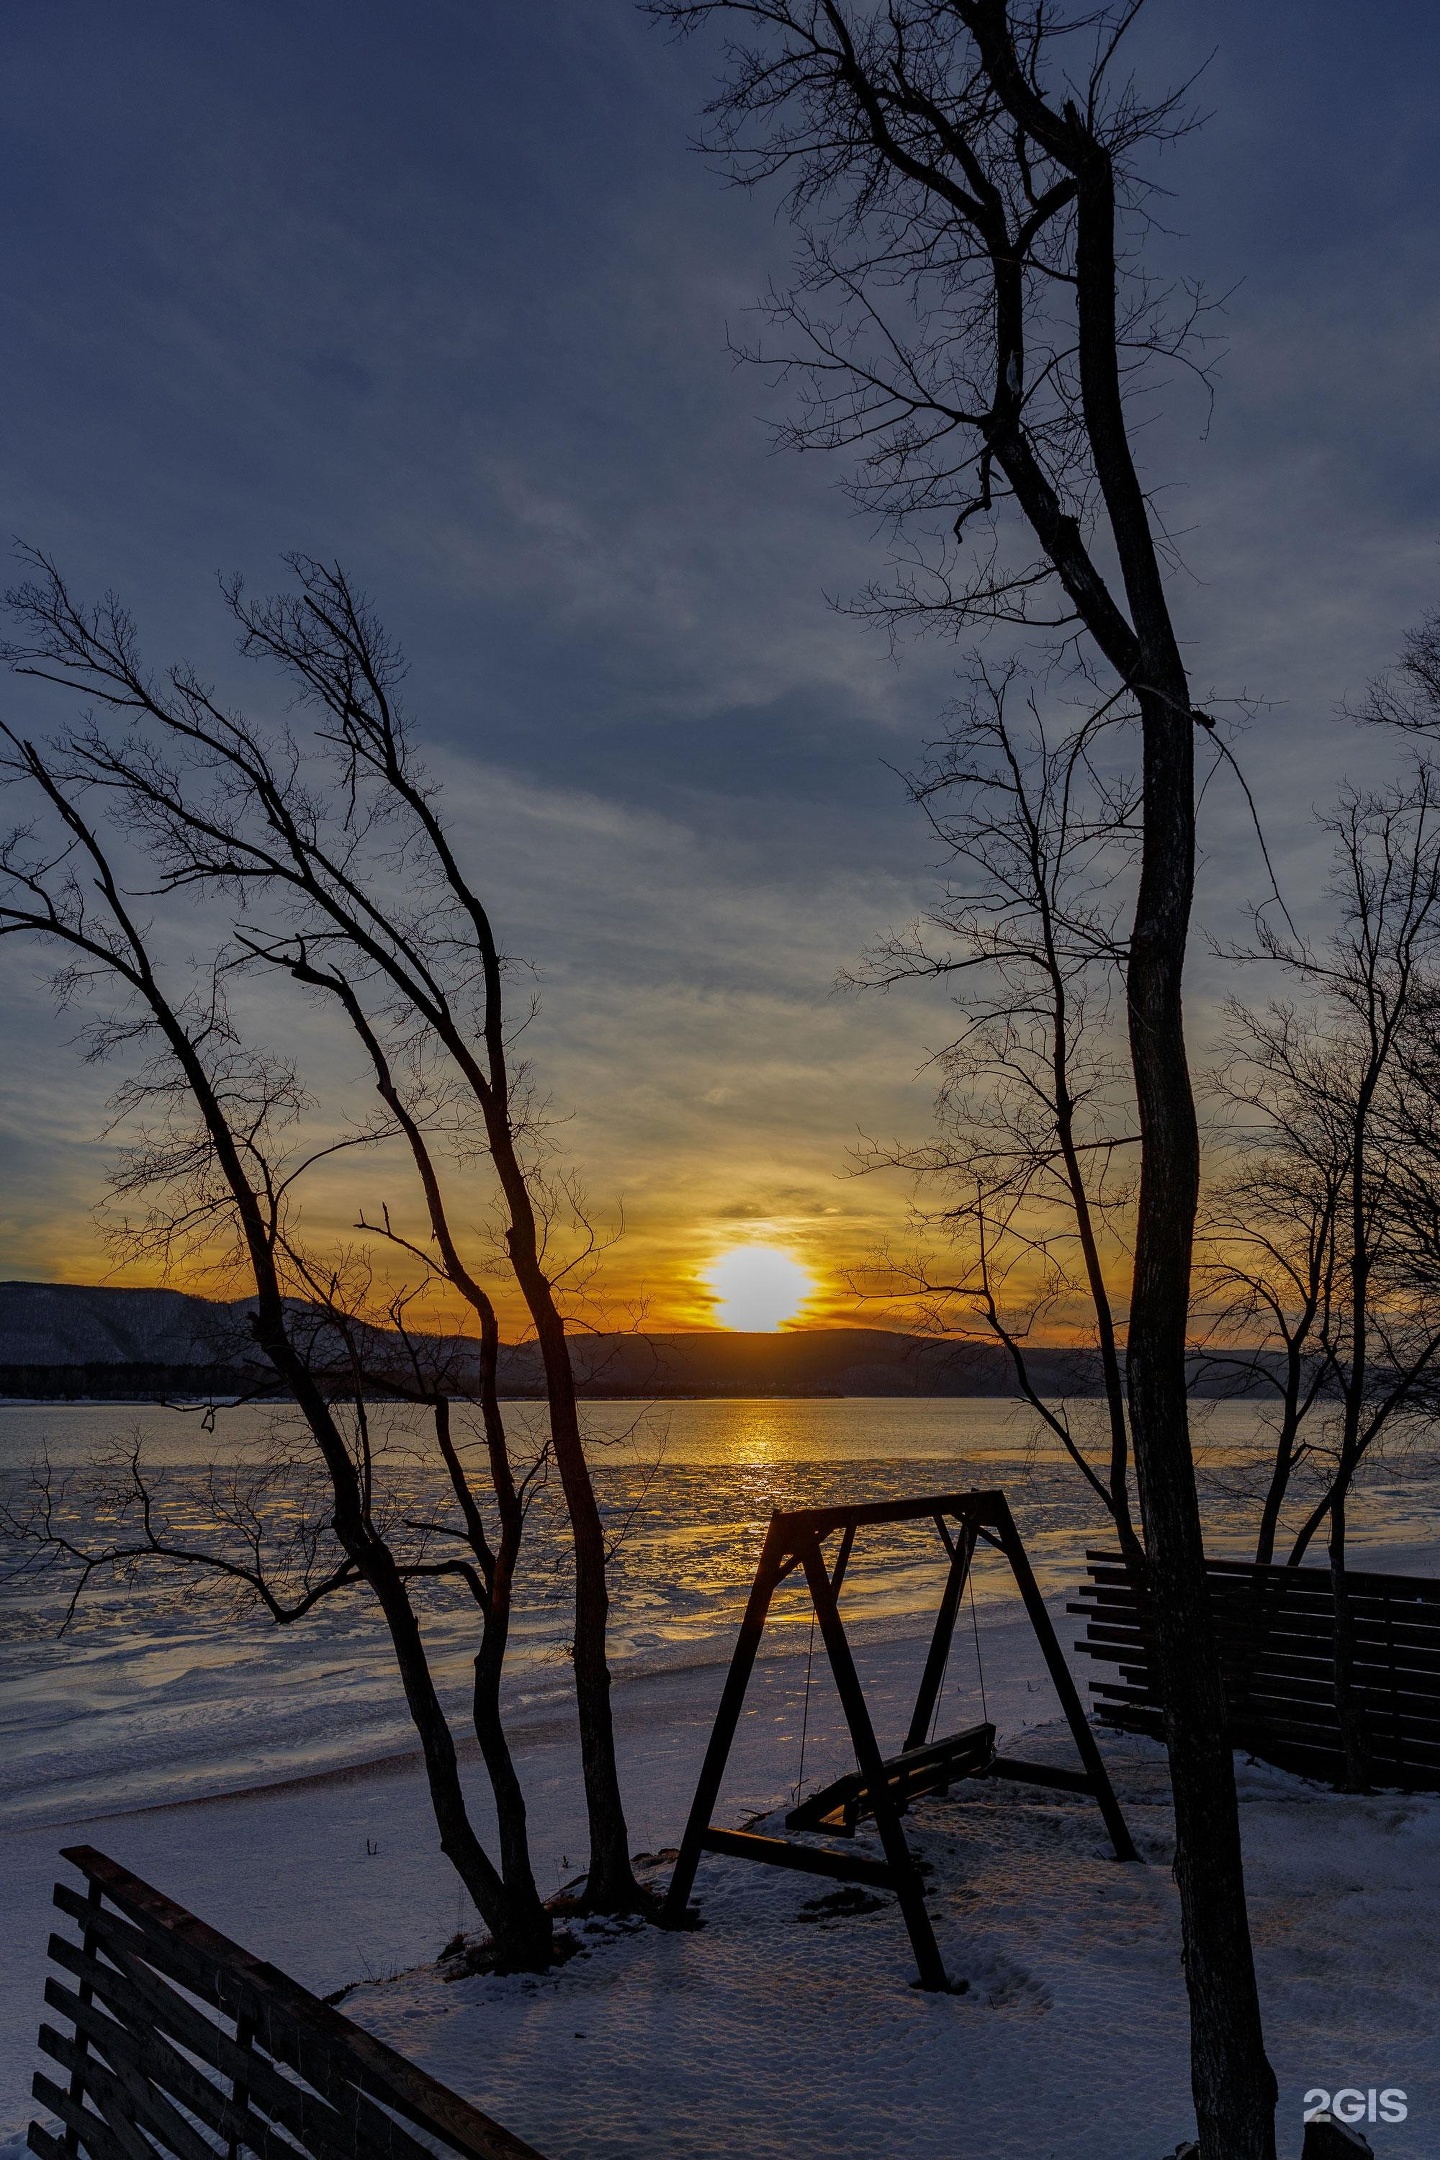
[758, 1287]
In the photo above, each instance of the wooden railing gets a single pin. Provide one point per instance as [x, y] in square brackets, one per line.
[181, 2043]
[1276, 1629]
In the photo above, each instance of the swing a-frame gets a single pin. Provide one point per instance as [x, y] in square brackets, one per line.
[884, 1786]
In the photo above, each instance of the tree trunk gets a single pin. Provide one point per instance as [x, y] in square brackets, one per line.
[510, 1905]
[518, 1923]
[1234, 2086]
[611, 1886]
[499, 1568]
[1349, 1710]
[1270, 1517]
[1281, 1472]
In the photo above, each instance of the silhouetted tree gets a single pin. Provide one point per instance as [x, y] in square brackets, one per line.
[1269, 1241]
[1034, 1104]
[1338, 1186]
[345, 879]
[208, 1162]
[972, 320]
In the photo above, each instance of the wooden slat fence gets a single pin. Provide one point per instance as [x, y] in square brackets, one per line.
[182, 2044]
[1276, 1631]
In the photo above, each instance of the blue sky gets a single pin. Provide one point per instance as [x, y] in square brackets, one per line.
[442, 291]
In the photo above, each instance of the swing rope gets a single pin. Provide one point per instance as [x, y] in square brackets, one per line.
[979, 1660]
[939, 1693]
[979, 1663]
[805, 1717]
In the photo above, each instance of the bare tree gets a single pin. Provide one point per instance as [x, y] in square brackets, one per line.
[1407, 696]
[266, 1530]
[1343, 1260]
[1034, 1105]
[971, 321]
[208, 1159]
[345, 879]
[1269, 1240]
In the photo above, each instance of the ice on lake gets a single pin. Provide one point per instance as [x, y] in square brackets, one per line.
[164, 1687]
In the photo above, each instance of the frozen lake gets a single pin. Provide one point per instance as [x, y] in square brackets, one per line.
[164, 1687]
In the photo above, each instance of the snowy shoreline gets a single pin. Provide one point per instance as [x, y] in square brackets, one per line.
[784, 2029]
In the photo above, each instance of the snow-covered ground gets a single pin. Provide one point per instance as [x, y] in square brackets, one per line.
[785, 2028]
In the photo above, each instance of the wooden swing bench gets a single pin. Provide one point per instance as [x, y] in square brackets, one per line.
[914, 1774]
[882, 1787]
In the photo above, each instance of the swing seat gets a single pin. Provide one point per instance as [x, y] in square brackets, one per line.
[911, 1775]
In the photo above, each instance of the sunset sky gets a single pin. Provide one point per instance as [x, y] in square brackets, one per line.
[442, 291]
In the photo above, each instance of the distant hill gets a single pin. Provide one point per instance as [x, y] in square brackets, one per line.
[77, 1324]
[68, 1340]
[807, 1361]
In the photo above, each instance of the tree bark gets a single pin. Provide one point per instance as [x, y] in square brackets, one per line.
[1234, 2086]
[611, 1884]
[499, 1571]
[1283, 1467]
[1349, 1712]
[1270, 1512]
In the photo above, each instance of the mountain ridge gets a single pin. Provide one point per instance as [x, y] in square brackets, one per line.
[74, 1340]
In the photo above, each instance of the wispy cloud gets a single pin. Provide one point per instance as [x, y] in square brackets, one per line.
[446, 296]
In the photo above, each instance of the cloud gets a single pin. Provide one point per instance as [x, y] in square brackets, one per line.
[444, 295]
